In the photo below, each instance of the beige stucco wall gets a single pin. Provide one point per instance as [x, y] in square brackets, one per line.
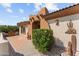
[59, 31]
[4, 50]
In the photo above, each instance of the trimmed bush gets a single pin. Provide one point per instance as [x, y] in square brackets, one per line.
[8, 28]
[43, 39]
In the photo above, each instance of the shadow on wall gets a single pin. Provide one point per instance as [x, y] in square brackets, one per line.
[58, 42]
[57, 49]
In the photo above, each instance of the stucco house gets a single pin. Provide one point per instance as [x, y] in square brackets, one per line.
[63, 22]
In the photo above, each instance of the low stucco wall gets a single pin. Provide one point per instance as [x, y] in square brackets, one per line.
[12, 52]
[62, 38]
[3, 46]
[4, 49]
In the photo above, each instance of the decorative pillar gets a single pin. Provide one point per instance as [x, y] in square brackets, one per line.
[71, 30]
[73, 41]
[69, 49]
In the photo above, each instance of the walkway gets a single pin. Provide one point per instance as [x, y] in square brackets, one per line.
[24, 46]
[21, 45]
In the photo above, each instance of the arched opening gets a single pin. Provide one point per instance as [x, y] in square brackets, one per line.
[23, 30]
[36, 25]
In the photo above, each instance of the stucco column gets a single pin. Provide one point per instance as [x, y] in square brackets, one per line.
[20, 30]
[26, 30]
[43, 23]
[30, 31]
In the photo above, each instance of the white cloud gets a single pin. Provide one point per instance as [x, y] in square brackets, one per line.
[74, 3]
[49, 6]
[27, 4]
[9, 10]
[7, 7]
[15, 16]
[37, 6]
[52, 7]
[24, 18]
[21, 11]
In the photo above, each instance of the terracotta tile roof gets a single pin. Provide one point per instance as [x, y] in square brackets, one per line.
[25, 23]
[74, 9]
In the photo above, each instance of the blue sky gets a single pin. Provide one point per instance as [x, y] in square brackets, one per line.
[10, 14]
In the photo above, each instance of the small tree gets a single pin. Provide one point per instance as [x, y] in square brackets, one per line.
[43, 39]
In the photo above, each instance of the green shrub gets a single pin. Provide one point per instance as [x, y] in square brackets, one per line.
[8, 28]
[43, 39]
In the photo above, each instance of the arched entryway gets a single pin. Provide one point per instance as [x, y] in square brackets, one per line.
[37, 22]
[36, 25]
[33, 25]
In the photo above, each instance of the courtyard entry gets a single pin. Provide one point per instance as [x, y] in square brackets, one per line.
[36, 25]
[23, 30]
